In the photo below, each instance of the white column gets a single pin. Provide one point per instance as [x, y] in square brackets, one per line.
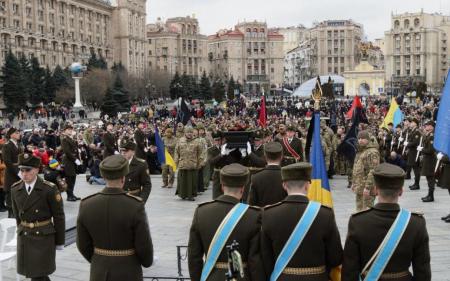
[77, 93]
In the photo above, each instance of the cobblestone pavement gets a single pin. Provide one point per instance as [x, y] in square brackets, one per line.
[170, 219]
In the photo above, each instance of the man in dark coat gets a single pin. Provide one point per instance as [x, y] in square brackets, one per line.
[207, 219]
[39, 213]
[292, 147]
[429, 159]
[367, 230]
[109, 141]
[112, 228]
[70, 161]
[443, 176]
[141, 141]
[266, 188]
[10, 154]
[412, 143]
[319, 255]
[137, 181]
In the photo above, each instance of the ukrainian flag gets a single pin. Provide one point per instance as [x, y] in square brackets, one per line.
[164, 156]
[394, 115]
[320, 187]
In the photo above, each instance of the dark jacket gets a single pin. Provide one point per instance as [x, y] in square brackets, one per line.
[207, 218]
[70, 150]
[113, 220]
[36, 247]
[138, 180]
[366, 231]
[320, 247]
[266, 187]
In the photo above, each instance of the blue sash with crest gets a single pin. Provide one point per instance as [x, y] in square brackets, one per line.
[384, 253]
[296, 238]
[221, 236]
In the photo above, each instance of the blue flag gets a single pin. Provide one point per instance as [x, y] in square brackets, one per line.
[442, 131]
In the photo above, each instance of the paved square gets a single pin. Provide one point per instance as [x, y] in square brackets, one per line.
[170, 219]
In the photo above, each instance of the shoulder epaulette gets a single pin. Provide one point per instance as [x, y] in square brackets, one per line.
[141, 160]
[49, 183]
[134, 197]
[206, 203]
[417, 213]
[273, 205]
[17, 183]
[360, 212]
[89, 196]
[327, 207]
[255, 208]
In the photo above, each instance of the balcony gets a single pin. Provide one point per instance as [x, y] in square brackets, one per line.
[257, 78]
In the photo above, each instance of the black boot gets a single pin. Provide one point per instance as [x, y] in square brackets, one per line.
[447, 220]
[414, 187]
[429, 197]
[446, 217]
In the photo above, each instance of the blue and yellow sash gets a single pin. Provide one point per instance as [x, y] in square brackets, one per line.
[384, 253]
[221, 236]
[296, 238]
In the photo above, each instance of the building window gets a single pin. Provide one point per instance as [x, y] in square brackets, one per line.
[330, 60]
[272, 70]
[396, 24]
[15, 9]
[406, 24]
[416, 22]
[418, 43]
[397, 43]
[342, 59]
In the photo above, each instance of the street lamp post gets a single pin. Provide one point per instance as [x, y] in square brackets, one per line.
[77, 71]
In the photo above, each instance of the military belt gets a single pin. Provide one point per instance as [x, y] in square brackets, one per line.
[224, 265]
[114, 253]
[304, 270]
[135, 191]
[35, 224]
[392, 275]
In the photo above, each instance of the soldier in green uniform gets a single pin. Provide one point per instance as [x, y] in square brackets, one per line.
[366, 160]
[70, 161]
[109, 141]
[367, 230]
[320, 252]
[443, 175]
[168, 175]
[137, 181]
[207, 220]
[429, 159]
[39, 212]
[141, 141]
[292, 147]
[188, 158]
[10, 156]
[413, 141]
[112, 228]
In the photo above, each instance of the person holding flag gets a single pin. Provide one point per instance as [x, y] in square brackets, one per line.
[166, 148]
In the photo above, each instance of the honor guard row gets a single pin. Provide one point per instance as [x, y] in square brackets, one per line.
[297, 239]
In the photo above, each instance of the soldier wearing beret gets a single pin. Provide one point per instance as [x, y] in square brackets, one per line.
[112, 228]
[262, 193]
[367, 158]
[413, 141]
[367, 230]
[320, 252]
[10, 153]
[428, 155]
[137, 181]
[168, 175]
[70, 161]
[39, 213]
[141, 141]
[207, 220]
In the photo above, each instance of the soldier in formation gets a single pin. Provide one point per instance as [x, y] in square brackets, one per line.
[168, 174]
[428, 156]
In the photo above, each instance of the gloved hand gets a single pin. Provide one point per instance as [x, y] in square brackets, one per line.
[59, 247]
[405, 143]
[116, 152]
[78, 162]
[401, 139]
[225, 150]
[440, 155]
[249, 148]
[420, 148]
[243, 152]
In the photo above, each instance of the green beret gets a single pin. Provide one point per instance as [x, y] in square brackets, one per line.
[296, 172]
[216, 135]
[364, 135]
[234, 175]
[388, 176]
[273, 149]
[28, 160]
[128, 145]
[114, 167]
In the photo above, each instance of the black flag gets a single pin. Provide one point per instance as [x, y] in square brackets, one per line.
[183, 113]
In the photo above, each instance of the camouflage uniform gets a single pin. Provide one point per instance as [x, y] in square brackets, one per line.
[365, 162]
[168, 175]
[203, 146]
[188, 158]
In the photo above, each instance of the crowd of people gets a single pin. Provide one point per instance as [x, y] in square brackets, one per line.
[275, 154]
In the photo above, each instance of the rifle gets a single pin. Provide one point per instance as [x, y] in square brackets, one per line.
[406, 140]
[420, 145]
[235, 265]
[398, 145]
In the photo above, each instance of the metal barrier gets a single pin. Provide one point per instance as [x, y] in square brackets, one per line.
[181, 256]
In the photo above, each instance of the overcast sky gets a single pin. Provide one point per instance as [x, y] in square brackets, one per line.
[218, 14]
